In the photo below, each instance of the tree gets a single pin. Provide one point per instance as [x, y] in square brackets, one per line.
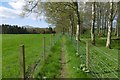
[93, 24]
[50, 30]
[98, 18]
[64, 8]
[108, 43]
[13, 29]
[118, 19]
[78, 21]
[58, 14]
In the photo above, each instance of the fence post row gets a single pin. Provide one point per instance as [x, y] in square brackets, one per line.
[44, 48]
[87, 54]
[78, 47]
[51, 40]
[22, 61]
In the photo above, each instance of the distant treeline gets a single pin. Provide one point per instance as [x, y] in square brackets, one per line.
[15, 29]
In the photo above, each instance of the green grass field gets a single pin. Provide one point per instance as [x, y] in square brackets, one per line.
[103, 61]
[11, 50]
[52, 67]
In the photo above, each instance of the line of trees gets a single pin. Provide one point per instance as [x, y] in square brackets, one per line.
[15, 29]
[74, 17]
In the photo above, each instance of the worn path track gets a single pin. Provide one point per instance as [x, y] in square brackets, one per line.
[64, 72]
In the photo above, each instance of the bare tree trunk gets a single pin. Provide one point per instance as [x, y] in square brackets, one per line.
[118, 20]
[108, 43]
[105, 26]
[102, 25]
[115, 33]
[71, 26]
[78, 22]
[93, 24]
[99, 22]
[106, 23]
[118, 30]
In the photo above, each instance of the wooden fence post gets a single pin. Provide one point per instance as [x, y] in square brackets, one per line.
[118, 62]
[55, 38]
[77, 47]
[22, 61]
[44, 48]
[51, 40]
[87, 54]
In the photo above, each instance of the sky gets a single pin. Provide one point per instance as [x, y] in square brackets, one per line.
[10, 14]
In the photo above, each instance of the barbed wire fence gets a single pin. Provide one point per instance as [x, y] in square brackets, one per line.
[101, 64]
[47, 45]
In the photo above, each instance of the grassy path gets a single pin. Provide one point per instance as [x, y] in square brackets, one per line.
[61, 62]
[69, 61]
[73, 61]
[64, 72]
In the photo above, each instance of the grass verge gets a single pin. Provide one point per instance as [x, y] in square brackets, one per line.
[51, 67]
[75, 61]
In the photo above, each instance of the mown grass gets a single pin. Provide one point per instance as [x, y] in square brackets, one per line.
[10, 51]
